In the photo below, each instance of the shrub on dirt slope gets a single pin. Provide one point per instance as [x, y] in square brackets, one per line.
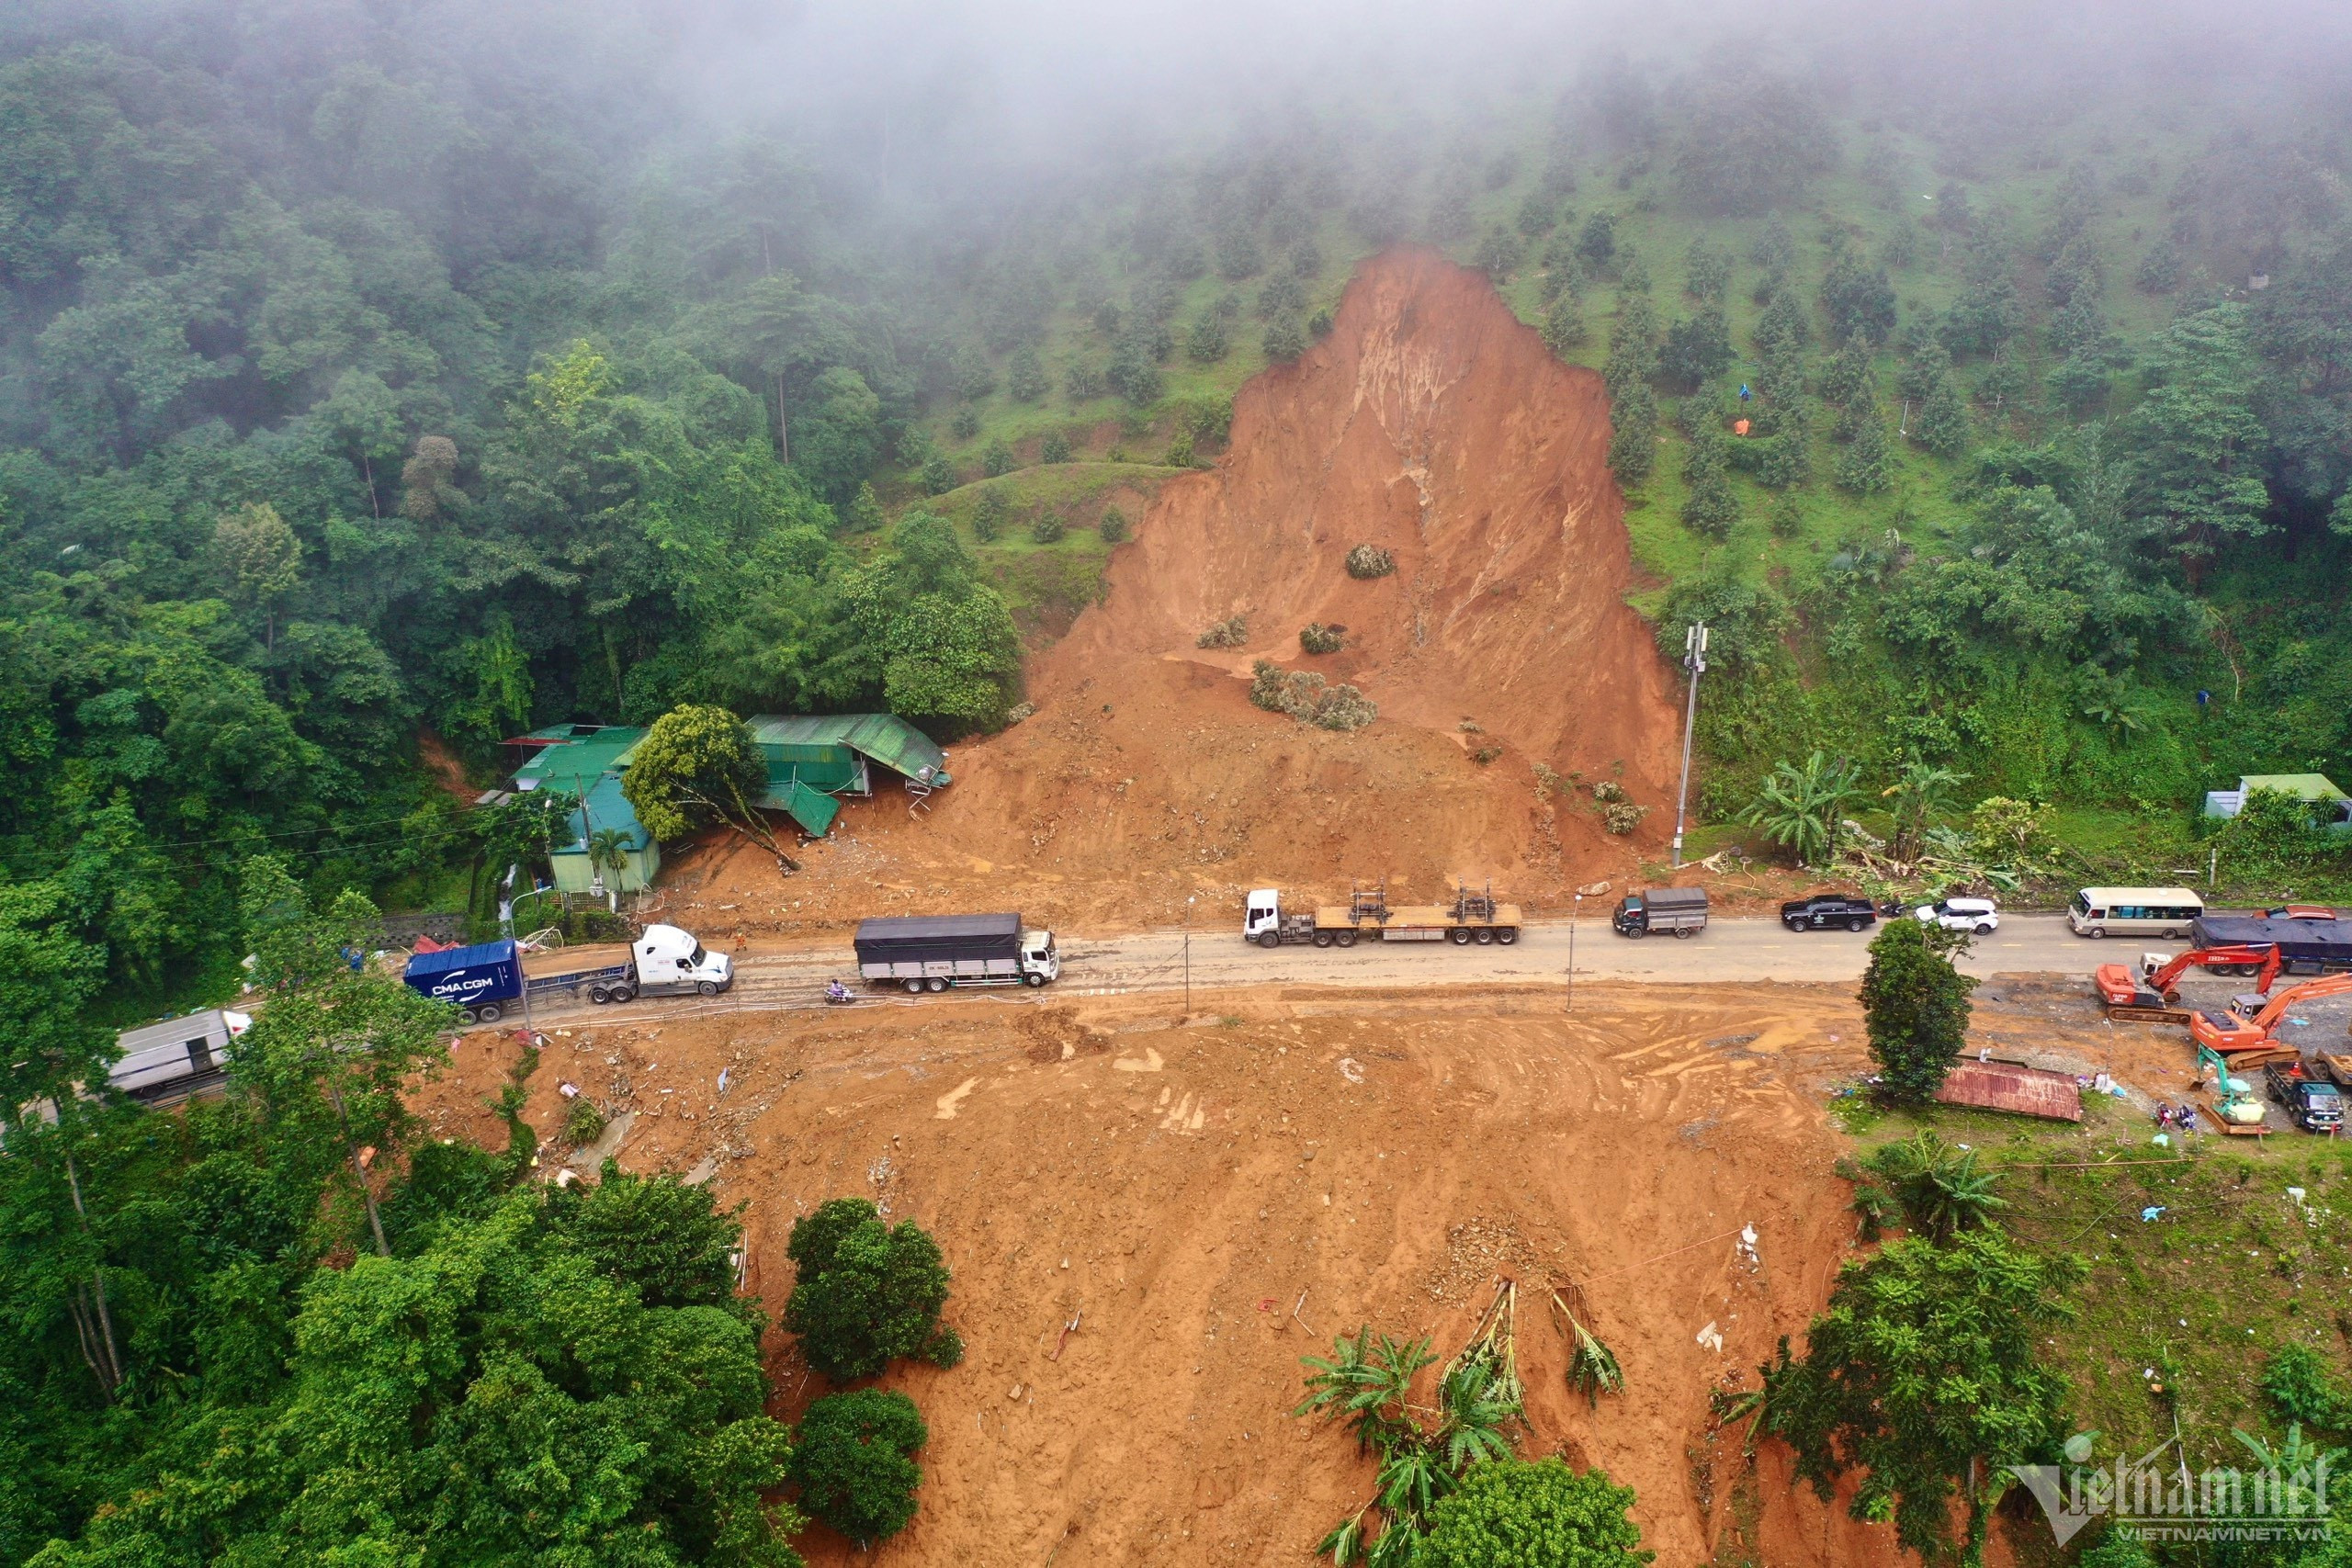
[852, 1459]
[1509, 1512]
[867, 1293]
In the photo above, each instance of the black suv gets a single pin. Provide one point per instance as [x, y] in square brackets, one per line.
[1828, 909]
[2313, 1105]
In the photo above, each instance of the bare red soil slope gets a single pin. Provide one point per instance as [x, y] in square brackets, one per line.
[1429, 422]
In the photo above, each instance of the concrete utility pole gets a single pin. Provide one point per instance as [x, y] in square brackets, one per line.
[1694, 659]
[1188, 953]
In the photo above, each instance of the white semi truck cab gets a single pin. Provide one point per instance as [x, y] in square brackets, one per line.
[671, 960]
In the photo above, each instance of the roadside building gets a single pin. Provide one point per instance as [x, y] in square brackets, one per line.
[2331, 808]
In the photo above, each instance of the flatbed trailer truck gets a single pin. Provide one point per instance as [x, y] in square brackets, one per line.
[1368, 916]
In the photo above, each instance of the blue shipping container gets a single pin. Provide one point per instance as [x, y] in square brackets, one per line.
[467, 977]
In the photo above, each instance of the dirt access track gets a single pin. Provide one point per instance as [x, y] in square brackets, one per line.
[1431, 423]
[1177, 1190]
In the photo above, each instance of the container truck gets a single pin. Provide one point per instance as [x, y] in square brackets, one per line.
[489, 979]
[934, 953]
[1472, 917]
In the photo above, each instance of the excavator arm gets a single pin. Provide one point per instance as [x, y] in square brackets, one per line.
[2309, 991]
[2118, 986]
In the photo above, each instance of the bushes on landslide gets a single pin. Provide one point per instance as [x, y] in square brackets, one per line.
[1368, 561]
[583, 1123]
[1114, 527]
[867, 1293]
[1230, 633]
[1308, 698]
[854, 1462]
[1317, 637]
[1509, 1511]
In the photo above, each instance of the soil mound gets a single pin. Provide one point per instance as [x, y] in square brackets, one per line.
[1429, 423]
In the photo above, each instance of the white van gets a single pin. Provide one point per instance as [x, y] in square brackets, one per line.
[2133, 911]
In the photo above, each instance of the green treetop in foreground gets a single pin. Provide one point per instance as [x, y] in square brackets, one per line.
[1923, 1375]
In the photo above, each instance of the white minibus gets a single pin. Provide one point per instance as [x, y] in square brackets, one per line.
[2133, 911]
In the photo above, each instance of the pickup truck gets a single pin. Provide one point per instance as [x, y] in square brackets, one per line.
[1825, 911]
[2313, 1104]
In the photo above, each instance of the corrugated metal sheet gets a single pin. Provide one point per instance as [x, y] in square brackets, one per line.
[886, 737]
[575, 766]
[2008, 1086]
[814, 812]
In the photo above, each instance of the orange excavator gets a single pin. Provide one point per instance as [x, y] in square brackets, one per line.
[2244, 1028]
[2150, 997]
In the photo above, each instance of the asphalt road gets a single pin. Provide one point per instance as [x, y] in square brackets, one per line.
[1728, 950]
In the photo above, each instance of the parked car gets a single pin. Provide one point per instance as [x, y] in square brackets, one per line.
[2312, 1104]
[1824, 910]
[1979, 915]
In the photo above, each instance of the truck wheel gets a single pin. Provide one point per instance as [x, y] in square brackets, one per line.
[936, 984]
[488, 1012]
[599, 994]
[464, 1015]
[1345, 939]
[1270, 940]
[1684, 933]
[1858, 924]
[707, 987]
[1322, 938]
[1507, 935]
[1462, 936]
[1486, 936]
[1034, 979]
[1637, 933]
[624, 993]
[914, 987]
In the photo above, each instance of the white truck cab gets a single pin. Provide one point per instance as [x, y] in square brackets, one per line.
[1039, 961]
[1264, 913]
[669, 959]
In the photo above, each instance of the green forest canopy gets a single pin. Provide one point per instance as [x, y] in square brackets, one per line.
[481, 371]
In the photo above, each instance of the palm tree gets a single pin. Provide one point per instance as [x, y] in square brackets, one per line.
[1800, 808]
[1920, 791]
[608, 851]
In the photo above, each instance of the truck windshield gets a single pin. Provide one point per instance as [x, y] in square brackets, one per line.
[696, 962]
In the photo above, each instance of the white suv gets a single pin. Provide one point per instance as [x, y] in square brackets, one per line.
[1979, 915]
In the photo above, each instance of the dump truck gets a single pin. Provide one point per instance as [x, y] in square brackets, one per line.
[2313, 1103]
[2307, 945]
[1367, 915]
[1682, 910]
[491, 978]
[937, 953]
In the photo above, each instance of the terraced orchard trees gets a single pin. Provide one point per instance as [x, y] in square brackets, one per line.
[867, 1293]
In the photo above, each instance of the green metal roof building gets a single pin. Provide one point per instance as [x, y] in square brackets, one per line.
[2332, 808]
[812, 759]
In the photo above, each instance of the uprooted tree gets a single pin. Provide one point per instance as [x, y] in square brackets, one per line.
[697, 766]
